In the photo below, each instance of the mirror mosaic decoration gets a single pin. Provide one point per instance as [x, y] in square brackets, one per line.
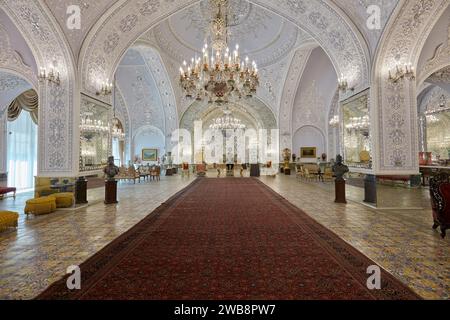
[356, 131]
[95, 139]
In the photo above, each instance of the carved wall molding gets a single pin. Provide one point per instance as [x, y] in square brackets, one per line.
[12, 61]
[296, 69]
[58, 155]
[394, 109]
[440, 60]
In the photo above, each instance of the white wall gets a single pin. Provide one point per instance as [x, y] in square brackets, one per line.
[149, 138]
[307, 137]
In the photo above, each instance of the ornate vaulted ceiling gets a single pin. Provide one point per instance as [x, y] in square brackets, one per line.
[91, 11]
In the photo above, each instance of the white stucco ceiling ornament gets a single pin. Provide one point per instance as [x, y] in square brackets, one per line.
[312, 110]
[11, 86]
[264, 36]
[440, 77]
[56, 117]
[292, 82]
[435, 100]
[90, 12]
[106, 42]
[255, 108]
[12, 61]
[440, 60]
[359, 12]
[394, 119]
[150, 94]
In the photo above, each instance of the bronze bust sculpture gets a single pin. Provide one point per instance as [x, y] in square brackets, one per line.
[111, 170]
[340, 169]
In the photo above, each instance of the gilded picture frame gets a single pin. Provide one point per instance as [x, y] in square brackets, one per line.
[308, 152]
[149, 154]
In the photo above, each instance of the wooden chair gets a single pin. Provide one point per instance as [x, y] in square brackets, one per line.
[185, 170]
[155, 173]
[328, 174]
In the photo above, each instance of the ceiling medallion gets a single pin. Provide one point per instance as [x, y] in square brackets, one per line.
[222, 75]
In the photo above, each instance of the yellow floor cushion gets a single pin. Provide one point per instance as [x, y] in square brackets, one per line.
[64, 200]
[8, 219]
[42, 205]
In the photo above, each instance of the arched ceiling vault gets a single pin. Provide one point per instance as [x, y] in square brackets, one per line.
[323, 20]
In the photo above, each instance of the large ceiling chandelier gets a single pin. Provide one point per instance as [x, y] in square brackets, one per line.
[219, 74]
[227, 122]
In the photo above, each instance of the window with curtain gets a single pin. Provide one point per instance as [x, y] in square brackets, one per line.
[22, 152]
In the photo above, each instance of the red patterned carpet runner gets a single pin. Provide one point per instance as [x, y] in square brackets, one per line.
[228, 239]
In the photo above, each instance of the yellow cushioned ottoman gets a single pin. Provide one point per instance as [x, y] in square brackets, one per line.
[8, 219]
[63, 200]
[40, 206]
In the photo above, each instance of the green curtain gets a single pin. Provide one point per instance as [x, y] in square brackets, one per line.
[27, 101]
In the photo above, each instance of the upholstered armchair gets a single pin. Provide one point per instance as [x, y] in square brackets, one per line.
[185, 169]
[201, 170]
[440, 202]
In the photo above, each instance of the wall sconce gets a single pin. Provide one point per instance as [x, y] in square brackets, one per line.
[400, 73]
[343, 85]
[106, 89]
[52, 76]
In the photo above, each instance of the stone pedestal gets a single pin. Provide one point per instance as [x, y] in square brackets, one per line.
[340, 191]
[370, 189]
[255, 171]
[81, 191]
[111, 192]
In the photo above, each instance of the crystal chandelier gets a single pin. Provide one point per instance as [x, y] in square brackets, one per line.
[219, 74]
[90, 126]
[227, 122]
[116, 130]
[358, 123]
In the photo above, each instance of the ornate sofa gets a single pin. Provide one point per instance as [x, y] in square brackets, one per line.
[440, 202]
[8, 219]
[4, 191]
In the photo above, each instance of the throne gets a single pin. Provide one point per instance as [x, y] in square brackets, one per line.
[440, 202]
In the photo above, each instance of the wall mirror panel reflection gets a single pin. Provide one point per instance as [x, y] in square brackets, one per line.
[356, 131]
[95, 140]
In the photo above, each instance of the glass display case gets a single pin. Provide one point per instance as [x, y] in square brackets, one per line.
[356, 131]
[95, 135]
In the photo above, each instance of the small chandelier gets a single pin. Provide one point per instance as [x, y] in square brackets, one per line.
[89, 126]
[219, 74]
[116, 130]
[334, 122]
[358, 123]
[227, 122]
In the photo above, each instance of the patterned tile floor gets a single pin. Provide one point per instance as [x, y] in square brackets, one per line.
[43, 247]
[402, 241]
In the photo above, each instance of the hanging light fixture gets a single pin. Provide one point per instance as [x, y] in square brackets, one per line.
[89, 127]
[219, 74]
[227, 122]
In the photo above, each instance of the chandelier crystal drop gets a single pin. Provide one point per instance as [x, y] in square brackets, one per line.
[90, 126]
[227, 122]
[219, 74]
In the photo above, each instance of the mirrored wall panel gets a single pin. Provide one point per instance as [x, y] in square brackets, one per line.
[356, 131]
[95, 140]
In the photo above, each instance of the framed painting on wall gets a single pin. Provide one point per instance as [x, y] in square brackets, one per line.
[149, 154]
[308, 152]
